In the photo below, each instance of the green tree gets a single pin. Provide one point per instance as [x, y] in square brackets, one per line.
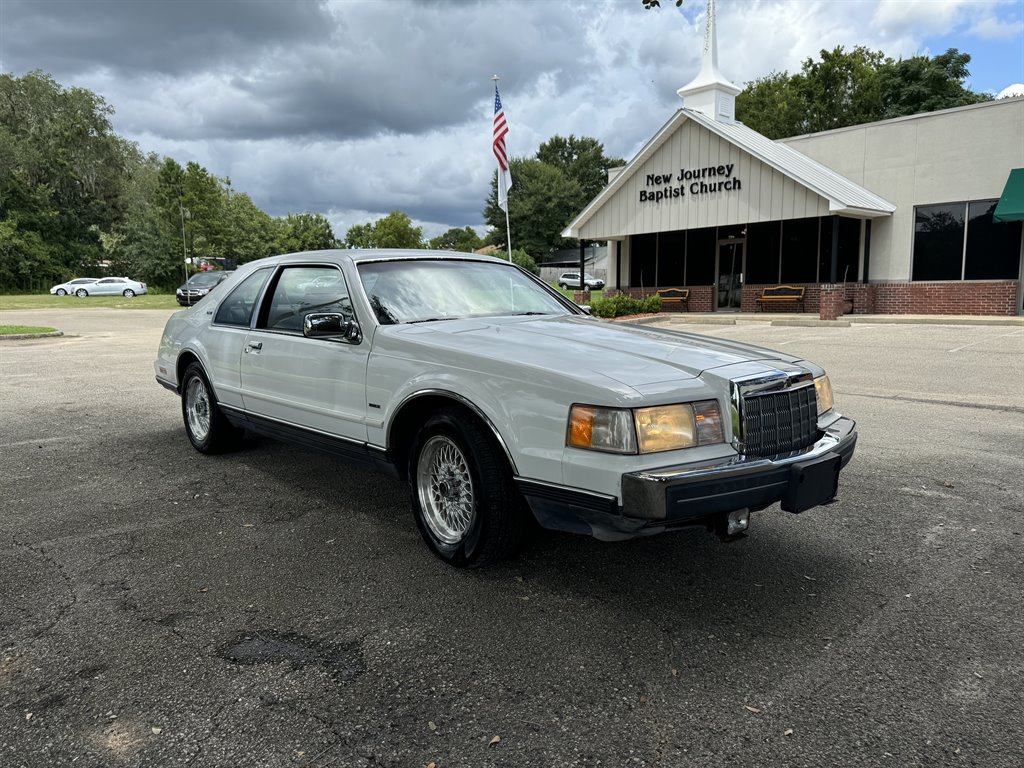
[582, 159]
[393, 231]
[923, 84]
[147, 242]
[253, 233]
[62, 173]
[845, 88]
[841, 89]
[522, 259]
[543, 200]
[465, 240]
[773, 105]
[307, 232]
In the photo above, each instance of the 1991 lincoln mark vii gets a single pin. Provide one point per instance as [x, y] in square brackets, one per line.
[497, 398]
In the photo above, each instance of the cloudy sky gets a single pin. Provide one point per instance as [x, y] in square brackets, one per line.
[354, 109]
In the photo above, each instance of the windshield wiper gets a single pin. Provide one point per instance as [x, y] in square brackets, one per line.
[521, 314]
[430, 320]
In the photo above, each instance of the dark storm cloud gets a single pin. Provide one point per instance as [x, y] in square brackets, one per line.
[133, 38]
[261, 69]
[355, 108]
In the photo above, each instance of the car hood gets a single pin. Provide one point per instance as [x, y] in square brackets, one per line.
[633, 355]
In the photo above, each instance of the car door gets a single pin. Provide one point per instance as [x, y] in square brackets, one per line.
[224, 340]
[108, 286]
[314, 384]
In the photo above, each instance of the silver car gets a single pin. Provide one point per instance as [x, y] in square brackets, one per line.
[498, 399]
[572, 280]
[112, 286]
[68, 288]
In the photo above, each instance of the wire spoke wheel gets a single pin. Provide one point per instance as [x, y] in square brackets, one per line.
[445, 488]
[197, 408]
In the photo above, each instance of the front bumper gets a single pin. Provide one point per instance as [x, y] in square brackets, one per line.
[670, 497]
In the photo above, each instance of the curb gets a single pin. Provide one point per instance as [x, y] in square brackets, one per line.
[844, 321]
[810, 323]
[19, 336]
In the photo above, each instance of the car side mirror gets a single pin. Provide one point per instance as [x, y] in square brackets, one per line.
[585, 308]
[331, 325]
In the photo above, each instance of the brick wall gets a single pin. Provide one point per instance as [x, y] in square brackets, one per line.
[972, 297]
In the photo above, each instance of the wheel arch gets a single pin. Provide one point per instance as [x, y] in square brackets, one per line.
[185, 359]
[413, 413]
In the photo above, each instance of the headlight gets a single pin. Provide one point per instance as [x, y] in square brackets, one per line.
[665, 427]
[601, 429]
[823, 387]
[645, 430]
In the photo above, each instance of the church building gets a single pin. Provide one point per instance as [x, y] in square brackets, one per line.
[915, 215]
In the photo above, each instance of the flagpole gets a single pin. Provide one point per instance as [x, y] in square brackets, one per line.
[501, 181]
[508, 233]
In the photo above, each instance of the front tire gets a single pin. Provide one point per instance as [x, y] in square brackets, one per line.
[467, 508]
[81, 293]
[207, 428]
[61, 292]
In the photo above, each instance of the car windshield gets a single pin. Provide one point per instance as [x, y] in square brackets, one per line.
[413, 291]
[204, 279]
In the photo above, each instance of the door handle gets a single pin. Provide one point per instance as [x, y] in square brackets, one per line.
[255, 345]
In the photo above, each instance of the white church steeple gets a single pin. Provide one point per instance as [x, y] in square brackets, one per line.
[710, 93]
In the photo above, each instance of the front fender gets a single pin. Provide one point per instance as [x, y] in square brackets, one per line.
[527, 418]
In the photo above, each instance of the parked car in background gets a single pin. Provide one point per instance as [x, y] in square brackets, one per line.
[197, 286]
[568, 280]
[497, 398]
[112, 286]
[65, 289]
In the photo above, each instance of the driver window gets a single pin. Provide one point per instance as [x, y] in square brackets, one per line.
[237, 308]
[301, 290]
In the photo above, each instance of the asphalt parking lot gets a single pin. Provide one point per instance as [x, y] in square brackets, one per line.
[275, 608]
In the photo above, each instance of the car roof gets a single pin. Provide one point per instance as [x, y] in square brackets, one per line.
[365, 255]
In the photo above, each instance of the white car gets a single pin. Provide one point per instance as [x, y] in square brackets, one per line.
[68, 288]
[496, 398]
[112, 286]
[568, 280]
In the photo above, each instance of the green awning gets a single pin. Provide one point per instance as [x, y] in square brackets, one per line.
[1011, 204]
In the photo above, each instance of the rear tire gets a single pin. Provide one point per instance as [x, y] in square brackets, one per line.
[128, 293]
[207, 428]
[466, 505]
[81, 293]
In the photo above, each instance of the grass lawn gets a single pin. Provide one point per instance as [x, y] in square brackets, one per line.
[11, 330]
[48, 301]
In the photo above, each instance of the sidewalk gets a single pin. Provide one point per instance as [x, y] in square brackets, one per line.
[811, 319]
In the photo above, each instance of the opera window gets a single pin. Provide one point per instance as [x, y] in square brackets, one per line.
[960, 241]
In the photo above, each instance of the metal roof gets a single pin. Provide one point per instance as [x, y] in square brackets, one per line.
[843, 195]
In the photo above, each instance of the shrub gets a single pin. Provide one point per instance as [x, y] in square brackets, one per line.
[522, 259]
[620, 304]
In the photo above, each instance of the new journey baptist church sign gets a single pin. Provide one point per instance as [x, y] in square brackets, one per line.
[696, 181]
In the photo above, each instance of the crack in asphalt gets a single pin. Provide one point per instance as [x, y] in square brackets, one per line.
[62, 611]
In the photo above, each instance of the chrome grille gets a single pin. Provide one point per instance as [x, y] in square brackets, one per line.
[780, 421]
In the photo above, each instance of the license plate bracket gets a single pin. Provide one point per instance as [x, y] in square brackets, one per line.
[812, 483]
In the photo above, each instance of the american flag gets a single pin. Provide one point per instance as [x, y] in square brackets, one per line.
[500, 131]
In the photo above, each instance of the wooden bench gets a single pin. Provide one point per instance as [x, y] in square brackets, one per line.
[782, 294]
[675, 299]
